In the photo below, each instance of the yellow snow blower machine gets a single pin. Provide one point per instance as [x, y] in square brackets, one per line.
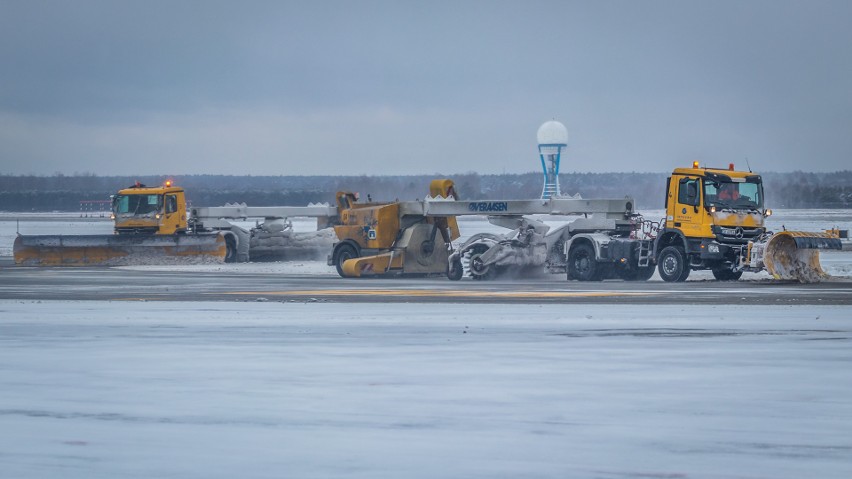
[395, 237]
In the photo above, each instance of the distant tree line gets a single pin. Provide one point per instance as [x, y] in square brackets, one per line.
[64, 193]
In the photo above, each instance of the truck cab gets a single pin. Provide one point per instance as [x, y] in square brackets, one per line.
[150, 210]
[711, 215]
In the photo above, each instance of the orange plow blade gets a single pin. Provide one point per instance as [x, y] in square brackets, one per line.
[118, 250]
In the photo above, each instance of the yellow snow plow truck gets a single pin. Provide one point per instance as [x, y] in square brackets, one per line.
[151, 226]
[715, 220]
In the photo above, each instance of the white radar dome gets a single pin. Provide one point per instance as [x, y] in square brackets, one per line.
[552, 133]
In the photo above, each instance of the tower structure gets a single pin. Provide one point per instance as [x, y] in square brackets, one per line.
[552, 141]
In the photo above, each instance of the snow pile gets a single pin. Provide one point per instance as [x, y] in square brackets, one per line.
[279, 243]
[312, 268]
[836, 263]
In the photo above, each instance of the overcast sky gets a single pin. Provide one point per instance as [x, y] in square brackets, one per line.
[396, 87]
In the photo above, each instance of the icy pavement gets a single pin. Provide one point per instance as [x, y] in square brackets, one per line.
[837, 264]
[269, 389]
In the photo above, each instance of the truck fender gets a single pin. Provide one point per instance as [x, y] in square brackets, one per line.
[337, 246]
[669, 237]
[597, 240]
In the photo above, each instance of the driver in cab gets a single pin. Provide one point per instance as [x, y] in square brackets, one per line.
[728, 192]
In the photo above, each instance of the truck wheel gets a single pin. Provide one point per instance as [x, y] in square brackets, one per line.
[673, 266]
[455, 270]
[478, 271]
[582, 264]
[230, 249]
[725, 274]
[344, 252]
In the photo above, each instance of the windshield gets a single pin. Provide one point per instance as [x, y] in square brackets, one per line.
[725, 194]
[137, 204]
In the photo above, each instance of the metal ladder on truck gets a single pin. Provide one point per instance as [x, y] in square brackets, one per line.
[644, 253]
[649, 230]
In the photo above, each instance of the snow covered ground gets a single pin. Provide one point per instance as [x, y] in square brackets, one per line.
[223, 390]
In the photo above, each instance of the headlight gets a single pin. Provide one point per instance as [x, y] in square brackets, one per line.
[768, 213]
[713, 248]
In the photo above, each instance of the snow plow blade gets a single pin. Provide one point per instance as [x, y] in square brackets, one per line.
[119, 250]
[794, 255]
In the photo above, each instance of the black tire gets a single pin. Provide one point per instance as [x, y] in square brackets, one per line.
[230, 249]
[637, 273]
[582, 263]
[455, 270]
[672, 263]
[476, 271]
[343, 252]
[725, 274]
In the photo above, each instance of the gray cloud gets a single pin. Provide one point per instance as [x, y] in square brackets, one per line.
[396, 87]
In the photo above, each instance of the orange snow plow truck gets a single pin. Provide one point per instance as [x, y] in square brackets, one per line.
[151, 226]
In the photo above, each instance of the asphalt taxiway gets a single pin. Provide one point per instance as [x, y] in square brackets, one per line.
[119, 284]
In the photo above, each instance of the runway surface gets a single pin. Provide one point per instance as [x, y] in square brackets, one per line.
[118, 284]
[123, 372]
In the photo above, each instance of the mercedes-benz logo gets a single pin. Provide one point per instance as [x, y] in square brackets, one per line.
[738, 233]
